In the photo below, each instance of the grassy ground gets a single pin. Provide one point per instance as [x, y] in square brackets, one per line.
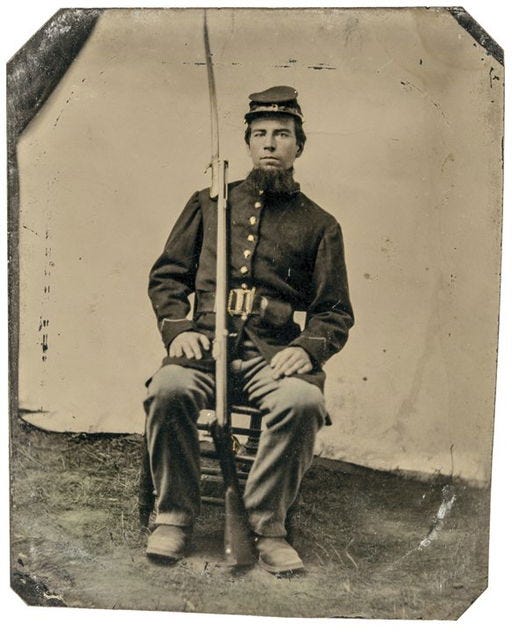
[76, 540]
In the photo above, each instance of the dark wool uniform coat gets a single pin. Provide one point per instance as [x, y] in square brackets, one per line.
[285, 246]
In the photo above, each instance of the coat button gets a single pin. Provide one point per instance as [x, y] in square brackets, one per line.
[258, 205]
[244, 286]
[250, 237]
[247, 254]
[252, 220]
[244, 269]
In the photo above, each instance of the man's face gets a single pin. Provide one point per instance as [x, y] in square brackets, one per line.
[272, 143]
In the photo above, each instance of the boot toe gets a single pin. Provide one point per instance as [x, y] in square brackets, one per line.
[167, 542]
[277, 556]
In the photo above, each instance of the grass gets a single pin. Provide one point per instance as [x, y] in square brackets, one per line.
[76, 540]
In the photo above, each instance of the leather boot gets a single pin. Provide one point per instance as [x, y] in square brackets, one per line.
[168, 542]
[277, 556]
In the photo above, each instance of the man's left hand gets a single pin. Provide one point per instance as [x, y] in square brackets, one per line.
[290, 361]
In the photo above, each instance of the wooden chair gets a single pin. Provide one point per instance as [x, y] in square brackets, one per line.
[210, 472]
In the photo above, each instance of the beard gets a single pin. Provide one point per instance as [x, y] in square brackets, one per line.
[273, 181]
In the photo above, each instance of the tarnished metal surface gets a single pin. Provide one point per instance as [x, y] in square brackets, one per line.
[477, 32]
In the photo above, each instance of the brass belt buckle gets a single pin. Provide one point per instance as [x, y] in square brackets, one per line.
[240, 302]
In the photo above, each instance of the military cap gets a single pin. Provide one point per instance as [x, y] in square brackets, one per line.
[275, 100]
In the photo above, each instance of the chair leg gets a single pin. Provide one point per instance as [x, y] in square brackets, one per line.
[292, 522]
[146, 488]
[251, 445]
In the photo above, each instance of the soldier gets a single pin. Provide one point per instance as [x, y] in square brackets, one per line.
[286, 255]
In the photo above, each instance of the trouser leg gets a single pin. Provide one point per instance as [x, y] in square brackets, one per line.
[175, 396]
[294, 411]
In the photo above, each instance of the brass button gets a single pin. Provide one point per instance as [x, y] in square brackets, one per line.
[244, 269]
[258, 205]
[247, 254]
[244, 286]
[252, 220]
[250, 237]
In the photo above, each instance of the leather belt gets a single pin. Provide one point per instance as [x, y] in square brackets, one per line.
[247, 302]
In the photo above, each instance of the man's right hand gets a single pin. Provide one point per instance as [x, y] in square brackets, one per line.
[189, 344]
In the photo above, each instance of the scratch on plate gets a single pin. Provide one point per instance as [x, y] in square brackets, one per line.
[448, 499]
[30, 229]
[322, 67]
[492, 77]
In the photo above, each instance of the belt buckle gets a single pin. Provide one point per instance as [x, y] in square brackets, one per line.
[240, 302]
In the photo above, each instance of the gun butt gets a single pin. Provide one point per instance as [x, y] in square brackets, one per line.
[239, 546]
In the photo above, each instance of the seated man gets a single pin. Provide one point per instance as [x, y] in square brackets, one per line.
[286, 254]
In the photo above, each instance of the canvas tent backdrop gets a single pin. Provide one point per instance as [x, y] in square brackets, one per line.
[403, 114]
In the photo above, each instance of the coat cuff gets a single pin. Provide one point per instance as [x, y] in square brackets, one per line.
[316, 346]
[172, 327]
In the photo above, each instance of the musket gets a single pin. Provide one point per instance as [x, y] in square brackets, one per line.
[238, 542]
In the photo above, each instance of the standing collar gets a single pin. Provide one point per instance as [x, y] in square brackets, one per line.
[249, 187]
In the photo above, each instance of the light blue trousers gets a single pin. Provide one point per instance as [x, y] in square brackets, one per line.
[293, 412]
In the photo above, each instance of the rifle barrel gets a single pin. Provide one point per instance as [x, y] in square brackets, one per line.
[221, 294]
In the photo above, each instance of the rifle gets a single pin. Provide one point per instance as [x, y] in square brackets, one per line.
[238, 542]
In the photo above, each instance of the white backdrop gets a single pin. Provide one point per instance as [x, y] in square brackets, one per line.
[403, 114]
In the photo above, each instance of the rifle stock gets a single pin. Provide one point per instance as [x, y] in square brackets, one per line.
[238, 541]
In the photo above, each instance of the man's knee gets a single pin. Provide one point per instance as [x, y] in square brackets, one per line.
[171, 383]
[301, 394]
[300, 397]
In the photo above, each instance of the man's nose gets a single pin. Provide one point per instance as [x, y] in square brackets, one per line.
[270, 142]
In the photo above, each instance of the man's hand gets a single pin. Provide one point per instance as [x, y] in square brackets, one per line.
[289, 361]
[189, 343]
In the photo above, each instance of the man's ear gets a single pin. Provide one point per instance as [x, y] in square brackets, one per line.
[299, 151]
